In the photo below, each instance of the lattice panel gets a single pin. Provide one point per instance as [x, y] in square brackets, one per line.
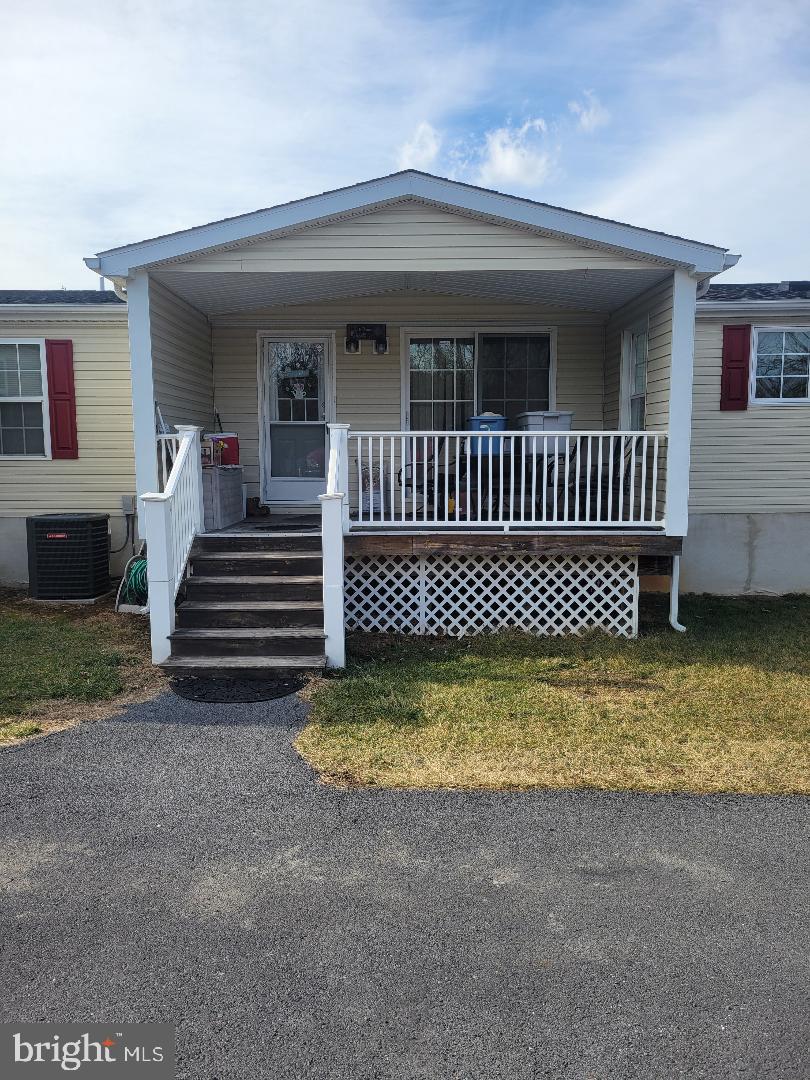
[474, 594]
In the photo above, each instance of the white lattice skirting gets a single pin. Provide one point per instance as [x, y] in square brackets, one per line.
[474, 594]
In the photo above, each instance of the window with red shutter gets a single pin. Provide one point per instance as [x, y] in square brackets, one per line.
[736, 361]
[61, 399]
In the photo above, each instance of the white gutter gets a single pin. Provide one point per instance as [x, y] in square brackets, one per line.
[753, 307]
[62, 311]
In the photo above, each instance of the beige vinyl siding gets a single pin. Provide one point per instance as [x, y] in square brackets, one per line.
[181, 359]
[653, 309]
[367, 386]
[409, 236]
[104, 469]
[755, 461]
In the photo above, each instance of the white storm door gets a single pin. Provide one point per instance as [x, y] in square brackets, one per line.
[295, 376]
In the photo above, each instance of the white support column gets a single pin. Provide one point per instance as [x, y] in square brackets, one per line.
[339, 439]
[159, 571]
[333, 573]
[196, 456]
[143, 392]
[684, 289]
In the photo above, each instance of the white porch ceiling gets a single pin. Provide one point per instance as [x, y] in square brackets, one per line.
[597, 291]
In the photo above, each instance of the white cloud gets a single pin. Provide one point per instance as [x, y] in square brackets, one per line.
[590, 112]
[516, 157]
[422, 149]
[138, 124]
[193, 111]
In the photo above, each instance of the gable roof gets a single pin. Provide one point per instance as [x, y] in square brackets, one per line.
[33, 297]
[410, 184]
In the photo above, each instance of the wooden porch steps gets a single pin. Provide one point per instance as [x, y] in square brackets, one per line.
[253, 607]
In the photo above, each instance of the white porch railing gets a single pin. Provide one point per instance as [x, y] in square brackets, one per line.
[459, 480]
[173, 517]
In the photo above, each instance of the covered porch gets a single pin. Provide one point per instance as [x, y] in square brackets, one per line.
[351, 339]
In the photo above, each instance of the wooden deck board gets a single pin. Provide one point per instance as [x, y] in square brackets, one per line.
[437, 543]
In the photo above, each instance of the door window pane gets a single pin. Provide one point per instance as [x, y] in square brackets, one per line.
[441, 382]
[514, 373]
[297, 450]
[296, 379]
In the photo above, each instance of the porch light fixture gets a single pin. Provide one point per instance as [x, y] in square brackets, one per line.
[375, 332]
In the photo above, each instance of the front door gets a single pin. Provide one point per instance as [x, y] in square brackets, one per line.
[294, 408]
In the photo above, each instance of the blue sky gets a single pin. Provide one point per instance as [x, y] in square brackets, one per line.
[129, 120]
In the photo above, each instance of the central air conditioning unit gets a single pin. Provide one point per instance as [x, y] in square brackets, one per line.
[68, 556]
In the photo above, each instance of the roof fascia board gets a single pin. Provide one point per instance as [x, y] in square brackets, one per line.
[753, 308]
[700, 258]
[63, 312]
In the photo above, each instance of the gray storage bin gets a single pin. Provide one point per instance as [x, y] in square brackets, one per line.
[545, 420]
[222, 496]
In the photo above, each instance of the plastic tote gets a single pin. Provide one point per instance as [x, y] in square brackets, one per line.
[486, 422]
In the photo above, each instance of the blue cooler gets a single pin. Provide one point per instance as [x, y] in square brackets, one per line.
[486, 422]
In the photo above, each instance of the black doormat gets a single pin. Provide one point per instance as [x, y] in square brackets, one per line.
[224, 691]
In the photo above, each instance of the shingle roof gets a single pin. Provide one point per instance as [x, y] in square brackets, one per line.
[58, 296]
[763, 290]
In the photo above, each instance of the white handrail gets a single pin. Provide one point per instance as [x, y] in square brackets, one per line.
[508, 479]
[173, 518]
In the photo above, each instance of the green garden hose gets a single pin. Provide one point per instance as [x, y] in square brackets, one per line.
[133, 588]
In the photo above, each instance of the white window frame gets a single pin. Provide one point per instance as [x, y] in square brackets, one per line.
[476, 332]
[629, 332]
[46, 411]
[752, 368]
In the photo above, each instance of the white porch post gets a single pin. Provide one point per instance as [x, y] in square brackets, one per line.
[196, 433]
[332, 540]
[339, 439]
[143, 393]
[684, 290]
[160, 577]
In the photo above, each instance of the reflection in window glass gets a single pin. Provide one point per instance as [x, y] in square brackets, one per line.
[21, 400]
[441, 383]
[782, 364]
[514, 374]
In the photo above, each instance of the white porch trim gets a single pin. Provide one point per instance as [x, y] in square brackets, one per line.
[143, 390]
[684, 299]
[410, 184]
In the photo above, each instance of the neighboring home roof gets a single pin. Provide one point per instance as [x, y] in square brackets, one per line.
[412, 185]
[756, 299]
[761, 290]
[30, 297]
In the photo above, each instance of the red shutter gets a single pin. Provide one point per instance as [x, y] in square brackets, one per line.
[736, 361]
[61, 399]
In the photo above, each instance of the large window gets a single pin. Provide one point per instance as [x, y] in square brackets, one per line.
[22, 399]
[441, 376]
[782, 358]
[514, 373]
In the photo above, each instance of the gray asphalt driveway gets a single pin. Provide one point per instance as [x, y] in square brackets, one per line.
[181, 863]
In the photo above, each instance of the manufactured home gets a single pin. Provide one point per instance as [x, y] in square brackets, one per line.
[464, 411]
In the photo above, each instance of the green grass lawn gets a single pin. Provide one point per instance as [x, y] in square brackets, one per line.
[55, 662]
[724, 707]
